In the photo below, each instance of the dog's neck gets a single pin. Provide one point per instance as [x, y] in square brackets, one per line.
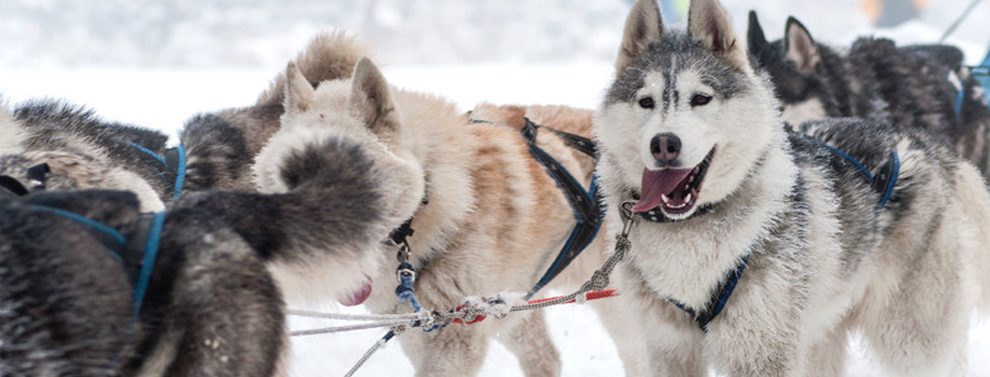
[692, 256]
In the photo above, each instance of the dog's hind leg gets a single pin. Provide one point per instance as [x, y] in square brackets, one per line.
[531, 343]
[919, 326]
[827, 357]
[224, 306]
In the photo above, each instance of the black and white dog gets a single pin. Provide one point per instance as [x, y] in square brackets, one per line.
[922, 86]
[74, 260]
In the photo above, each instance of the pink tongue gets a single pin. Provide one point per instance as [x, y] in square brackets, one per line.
[656, 183]
[357, 298]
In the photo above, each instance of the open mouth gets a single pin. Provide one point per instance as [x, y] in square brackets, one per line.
[674, 191]
[359, 296]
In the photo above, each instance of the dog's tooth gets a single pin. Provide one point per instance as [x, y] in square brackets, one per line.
[664, 198]
[687, 199]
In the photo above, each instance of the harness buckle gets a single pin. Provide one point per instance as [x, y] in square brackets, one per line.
[404, 252]
[627, 216]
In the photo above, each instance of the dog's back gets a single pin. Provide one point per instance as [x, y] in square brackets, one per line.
[132, 153]
[924, 86]
[66, 310]
[222, 145]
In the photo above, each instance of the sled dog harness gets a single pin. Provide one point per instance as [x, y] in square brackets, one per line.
[885, 179]
[137, 254]
[883, 182]
[586, 204]
[982, 75]
[174, 164]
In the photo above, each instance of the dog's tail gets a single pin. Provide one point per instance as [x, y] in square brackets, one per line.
[329, 56]
[972, 189]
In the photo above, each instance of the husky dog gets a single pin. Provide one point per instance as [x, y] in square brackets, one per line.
[118, 156]
[925, 87]
[486, 216]
[222, 145]
[211, 307]
[756, 251]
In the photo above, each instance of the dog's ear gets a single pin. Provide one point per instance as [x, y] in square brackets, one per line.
[755, 39]
[298, 91]
[642, 27]
[372, 98]
[799, 47]
[709, 23]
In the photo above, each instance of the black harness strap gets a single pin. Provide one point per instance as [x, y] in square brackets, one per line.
[720, 296]
[586, 204]
[12, 187]
[883, 183]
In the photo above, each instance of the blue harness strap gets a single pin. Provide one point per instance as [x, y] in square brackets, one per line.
[148, 263]
[120, 249]
[720, 296]
[981, 74]
[174, 163]
[586, 204]
[883, 182]
[111, 233]
[885, 179]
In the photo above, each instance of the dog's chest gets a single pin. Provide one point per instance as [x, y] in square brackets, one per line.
[687, 260]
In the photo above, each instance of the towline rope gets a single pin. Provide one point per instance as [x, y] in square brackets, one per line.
[475, 309]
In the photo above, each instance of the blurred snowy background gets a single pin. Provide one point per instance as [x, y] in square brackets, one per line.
[261, 34]
[156, 63]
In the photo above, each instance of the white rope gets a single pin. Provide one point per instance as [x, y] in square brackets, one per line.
[474, 307]
[352, 317]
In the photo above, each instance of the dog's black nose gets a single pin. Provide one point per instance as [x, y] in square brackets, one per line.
[665, 148]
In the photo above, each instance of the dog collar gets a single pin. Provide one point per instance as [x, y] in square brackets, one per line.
[657, 216]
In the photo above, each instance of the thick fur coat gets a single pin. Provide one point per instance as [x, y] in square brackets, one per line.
[690, 136]
[922, 86]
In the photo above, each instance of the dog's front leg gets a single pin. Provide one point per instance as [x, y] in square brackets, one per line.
[672, 342]
[454, 351]
[758, 334]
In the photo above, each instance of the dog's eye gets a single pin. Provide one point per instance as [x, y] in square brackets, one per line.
[700, 100]
[647, 103]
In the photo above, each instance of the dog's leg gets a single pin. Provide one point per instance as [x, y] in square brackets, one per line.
[919, 327]
[672, 344]
[224, 305]
[530, 342]
[454, 351]
[625, 333]
[828, 357]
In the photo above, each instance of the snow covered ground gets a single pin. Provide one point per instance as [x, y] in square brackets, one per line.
[161, 96]
[164, 99]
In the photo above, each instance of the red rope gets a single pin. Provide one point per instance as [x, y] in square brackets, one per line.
[590, 296]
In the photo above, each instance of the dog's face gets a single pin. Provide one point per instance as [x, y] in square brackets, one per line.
[361, 110]
[687, 117]
[795, 66]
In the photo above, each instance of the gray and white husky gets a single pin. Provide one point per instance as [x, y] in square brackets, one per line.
[211, 308]
[756, 251]
[919, 86]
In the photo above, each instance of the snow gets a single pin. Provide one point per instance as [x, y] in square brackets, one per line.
[199, 66]
[163, 99]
